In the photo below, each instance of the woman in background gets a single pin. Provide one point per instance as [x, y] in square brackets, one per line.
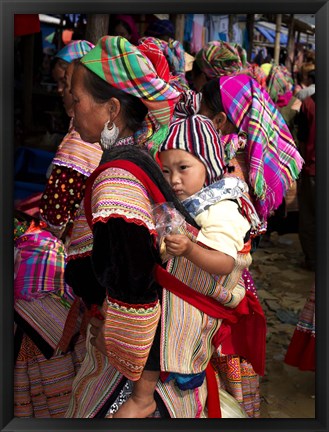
[74, 160]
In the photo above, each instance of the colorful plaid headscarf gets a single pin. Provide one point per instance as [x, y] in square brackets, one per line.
[219, 58]
[143, 72]
[279, 81]
[257, 73]
[174, 52]
[273, 160]
[75, 50]
[197, 135]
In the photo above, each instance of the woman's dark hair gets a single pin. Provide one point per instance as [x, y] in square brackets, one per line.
[211, 96]
[311, 75]
[124, 24]
[196, 71]
[132, 107]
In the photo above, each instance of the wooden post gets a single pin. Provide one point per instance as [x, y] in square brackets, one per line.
[28, 61]
[179, 27]
[231, 20]
[250, 30]
[97, 26]
[277, 38]
[291, 45]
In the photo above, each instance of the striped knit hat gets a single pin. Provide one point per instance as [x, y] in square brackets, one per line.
[143, 72]
[197, 135]
[75, 50]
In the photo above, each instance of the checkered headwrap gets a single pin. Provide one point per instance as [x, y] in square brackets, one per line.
[279, 81]
[273, 159]
[141, 71]
[197, 135]
[175, 56]
[219, 58]
[74, 50]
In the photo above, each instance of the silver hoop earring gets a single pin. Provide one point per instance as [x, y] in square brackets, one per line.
[109, 135]
[220, 133]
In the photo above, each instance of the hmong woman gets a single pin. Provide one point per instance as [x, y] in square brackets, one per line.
[43, 371]
[116, 264]
[74, 160]
[50, 343]
[218, 58]
[262, 152]
[301, 350]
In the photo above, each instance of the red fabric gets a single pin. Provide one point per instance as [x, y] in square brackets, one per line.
[30, 205]
[284, 99]
[301, 351]
[213, 402]
[157, 58]
[26, 24]
[308, 109]
[244, 331]
[96, 313]
[247, 337]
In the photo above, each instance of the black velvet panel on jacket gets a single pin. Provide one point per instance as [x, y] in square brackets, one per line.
[122, 265]
[123, 259]
[80, 276]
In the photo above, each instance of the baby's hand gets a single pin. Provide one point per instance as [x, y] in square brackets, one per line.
[178, 244]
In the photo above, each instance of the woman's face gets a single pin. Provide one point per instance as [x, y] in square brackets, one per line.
[89, 116]
[59, 74]
[120, 30]
[67, 96]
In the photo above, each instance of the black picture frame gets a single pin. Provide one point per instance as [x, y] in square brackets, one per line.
[7, 10]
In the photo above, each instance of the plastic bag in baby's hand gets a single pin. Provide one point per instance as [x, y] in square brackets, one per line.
[168, 220]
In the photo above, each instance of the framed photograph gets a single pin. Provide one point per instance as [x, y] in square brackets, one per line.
[10, 8]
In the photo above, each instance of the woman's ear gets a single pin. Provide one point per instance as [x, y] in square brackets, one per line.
[114, 108]
[220, 120]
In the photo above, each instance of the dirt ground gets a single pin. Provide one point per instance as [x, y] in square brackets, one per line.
[283, 286]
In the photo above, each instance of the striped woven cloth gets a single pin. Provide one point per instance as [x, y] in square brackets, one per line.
[75, 153]
[42, 388]
[116, 192]
[81, 239]
[272, 157]
[97, 381]
[187, 332]
[142, 72]
[46, 315]
[237, 377]
[129, 333]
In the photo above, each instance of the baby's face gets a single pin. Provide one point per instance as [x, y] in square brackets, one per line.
[185, 173]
